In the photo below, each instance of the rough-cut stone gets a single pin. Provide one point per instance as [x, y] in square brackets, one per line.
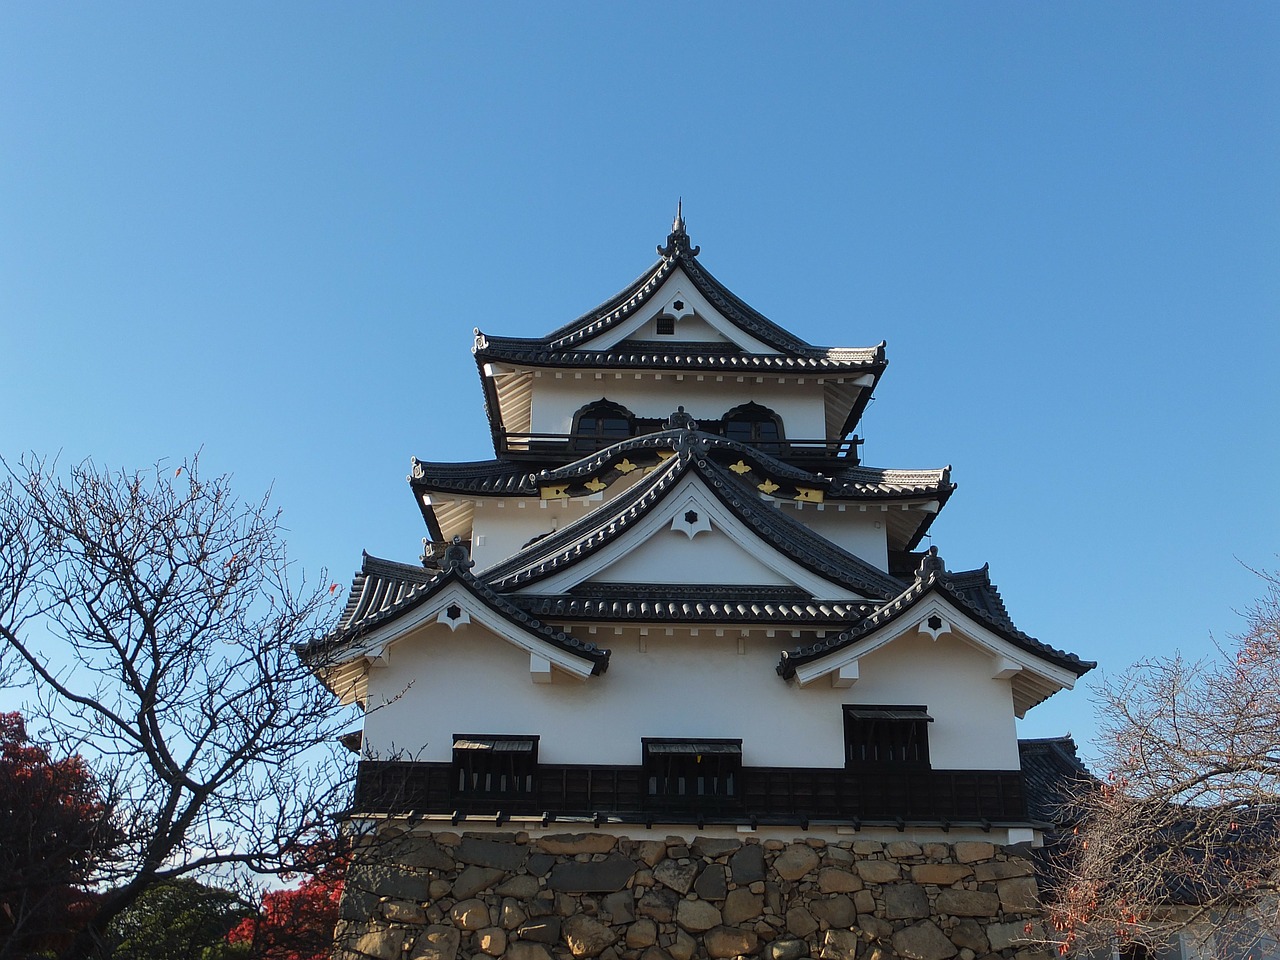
[836, 880]
[1003, 870]
[971, 851]
[438, 942]
[655, 953]
[522, 887]
[772, 896]
[722, 943]
[1018, 895]
[586, 937]
[837, 911]
[794, 862]
[400, 912]
[571, 844]
[1005, 935]
[371, 881]
[942, 874]
[511, 915]
[682, 947]
[865, 848]
[526, 951]
[620, 906]
[381, 944]
[864, 901]
[474, 879]
[492, 940]
[839, 945]
[923, 941]
[902, 848]
[710, 884]
[413, 853]
[470, 915]
[879, 871]
[658, 905]
[712, 847]
[651, 851]
[597, 876]
[905, 901]
[747, 865]
[492, 853]
[541, 930]
[968, 903]
[696, 916]
[439, 889]
[742, 905]
[642, 933]
[787, 950]
[800, 922]
[874, 927]
[678, 876]
[540, 864]
[967, 935]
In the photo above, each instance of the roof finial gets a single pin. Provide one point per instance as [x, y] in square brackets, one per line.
[678, 239]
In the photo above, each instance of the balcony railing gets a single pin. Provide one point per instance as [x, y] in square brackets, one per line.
[763, 792]
[557, 445]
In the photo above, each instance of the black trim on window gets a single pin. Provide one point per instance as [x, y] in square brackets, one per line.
[495, 766]
[601, 423]
[880, 735]
[692, 773]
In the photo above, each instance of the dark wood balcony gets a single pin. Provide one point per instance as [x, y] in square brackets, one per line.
[569, 446]
[780, 794]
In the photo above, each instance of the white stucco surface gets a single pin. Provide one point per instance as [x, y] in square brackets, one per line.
[860, 532]
[437, 683]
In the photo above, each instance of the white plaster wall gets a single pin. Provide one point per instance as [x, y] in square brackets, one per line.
[862, 533]
[439, 683]
[709, 558]
[801, 406]
[692, 328]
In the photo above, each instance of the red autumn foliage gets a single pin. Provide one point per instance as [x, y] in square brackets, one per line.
[54, 829]
[297, 923]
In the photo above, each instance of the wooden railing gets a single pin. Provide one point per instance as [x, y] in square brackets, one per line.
[559, 444]
[764, 792]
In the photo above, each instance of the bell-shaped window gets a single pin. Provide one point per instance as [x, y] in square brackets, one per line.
[599, 424]
[759, 426]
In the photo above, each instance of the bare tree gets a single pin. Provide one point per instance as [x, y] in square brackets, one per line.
[1183, 831]
[154, 618]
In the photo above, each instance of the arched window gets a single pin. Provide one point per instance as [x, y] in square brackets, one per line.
[600, 424]
[756, 425]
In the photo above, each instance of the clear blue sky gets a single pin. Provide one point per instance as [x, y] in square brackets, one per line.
[268, 229]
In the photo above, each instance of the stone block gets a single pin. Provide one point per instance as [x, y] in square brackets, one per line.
[382, 943]
[795, 861]
[437, 942]
[414, 854]
[522, 887]
[597, 876]
[865, 848]
[492, 853]
[905, 901]
[874, 927]
[837, 911]
[923, 941]
[836, 880]
[864, 901]
[683, 947]
[742, 905]
[697, 916]
[474, 879]
[1005, 935]
[967, 935]
[492, 941]
[723, 943]
[642, 933]
[839, 945]
[879, 871]
[902, 848]
[571, 844]
[787, 950]
[971, 851]
[942, 874]
[511, 914]
[398, 911]
[676, 875]
[1018, 895]
[540, 864]
[586, 937]
[747, 865]
[526, 951]
[968, 903]
[470, 915]
[712, 847]
[658, 905]
[800, 922]
[650, 852]
[540, 930]
[620, 906]
[655, 953]
[711, 884]
[1003, 870]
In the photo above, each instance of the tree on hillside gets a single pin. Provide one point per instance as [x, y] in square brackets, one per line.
[1183, 832]
[155, 617]
[55, 834]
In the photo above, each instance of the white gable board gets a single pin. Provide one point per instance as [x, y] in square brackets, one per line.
[695, 319]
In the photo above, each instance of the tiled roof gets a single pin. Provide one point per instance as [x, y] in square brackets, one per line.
[607, 522]
[384, 591]
[679, 603]
[972, 591]
[1054, 778]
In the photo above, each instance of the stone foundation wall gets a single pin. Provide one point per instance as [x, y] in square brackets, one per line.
[444, 896]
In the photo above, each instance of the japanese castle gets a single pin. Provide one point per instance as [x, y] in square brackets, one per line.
[676, 599]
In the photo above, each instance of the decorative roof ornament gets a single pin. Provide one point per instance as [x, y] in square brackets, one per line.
[677, 239]
[681, 420]
[930, 564]
[456, 557]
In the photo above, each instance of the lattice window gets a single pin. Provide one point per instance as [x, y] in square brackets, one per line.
[692, 772]
[886, 736]
[494, 767]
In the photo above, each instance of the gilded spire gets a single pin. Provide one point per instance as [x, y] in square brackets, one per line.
[677, 239]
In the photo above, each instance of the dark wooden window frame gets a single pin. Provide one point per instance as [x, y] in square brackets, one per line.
[692, 771]
[495, 766]
[601, 423]
[754, 424]
[886, 735]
